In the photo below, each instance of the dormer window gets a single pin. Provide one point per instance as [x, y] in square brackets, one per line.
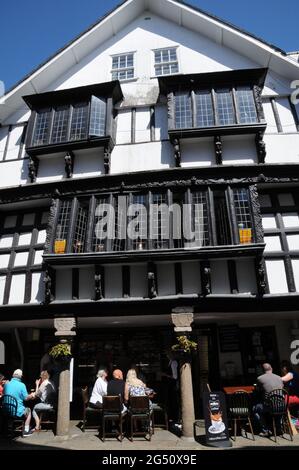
[166, 61]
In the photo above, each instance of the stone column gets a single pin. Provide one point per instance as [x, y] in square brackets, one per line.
[182, 319]
[64, 330]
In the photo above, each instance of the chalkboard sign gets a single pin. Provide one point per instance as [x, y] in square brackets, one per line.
[216, 426]
[229, 336]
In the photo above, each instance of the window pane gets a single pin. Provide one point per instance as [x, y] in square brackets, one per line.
[79, 122]
[158, 223]
[183, 112]
[141, 228]
[97, 124]
[63, 220]
[204, 109]
[225, 107]
[273, 243]
[100, 230]
[60, 124]
[166, 61]
[290, 219]
[41, 129]
[200, 220]
[80, 229]
[243, 215]
[246, 105]
[119, 243]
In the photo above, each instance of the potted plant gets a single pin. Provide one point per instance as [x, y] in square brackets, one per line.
[184, 346]
[61, 353]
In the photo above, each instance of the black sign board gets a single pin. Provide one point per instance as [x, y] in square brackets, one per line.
[229, 336]
[216, 426]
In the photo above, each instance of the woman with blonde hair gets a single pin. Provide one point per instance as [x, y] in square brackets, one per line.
[136, 386]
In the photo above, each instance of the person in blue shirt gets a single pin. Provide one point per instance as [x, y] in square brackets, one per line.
[17, 389]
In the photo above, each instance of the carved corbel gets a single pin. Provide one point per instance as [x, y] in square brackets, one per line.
[218, 149]
[151, 278]
[206, 279]
[258, 100]
[49, 286]
[261, 276]
[107, 159]
[32, 169]
[69, 164]
[260, 147]
[98, 284]
[177, 152]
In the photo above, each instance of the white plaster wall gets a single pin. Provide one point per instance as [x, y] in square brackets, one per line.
[37, 288]
[282, 148]
[14, 142]
[269, 117]
[113, 282]
[196, 53]
[86, 283]
[238, 150]
[50, 169]
[191, 278]
[219, 277]
[17, 289]
[246, 276]
[166, 279]
[88, 163]
[142, 157]
[63, 284]
[138, 280]
[2, 286]
[13, 173]
[143, 128]
[199, 152]
[276, 276]
[124, 123]
[285, 115]
[161, 122]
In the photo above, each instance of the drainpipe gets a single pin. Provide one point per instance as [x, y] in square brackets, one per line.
[20, 348]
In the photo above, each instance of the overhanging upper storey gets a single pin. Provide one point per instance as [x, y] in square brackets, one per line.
[219, 103]
[72, 119]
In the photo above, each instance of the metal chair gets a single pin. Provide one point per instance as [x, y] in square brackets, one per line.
[140, 410]
[277, 403]
[87, 410]
[113, 412]
[239, 407]
[9, 411]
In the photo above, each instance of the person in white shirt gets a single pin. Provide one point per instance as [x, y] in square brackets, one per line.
[99, 390]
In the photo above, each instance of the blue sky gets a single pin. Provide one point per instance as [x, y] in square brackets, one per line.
[30, 33]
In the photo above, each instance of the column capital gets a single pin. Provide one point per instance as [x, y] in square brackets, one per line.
[182, 318]
[64, 326]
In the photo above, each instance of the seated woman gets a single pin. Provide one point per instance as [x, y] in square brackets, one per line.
[99, 390]
[137, 388]
[46, 392]
[291, 379]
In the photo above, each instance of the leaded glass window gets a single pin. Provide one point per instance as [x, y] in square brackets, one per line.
[204, 109]
[246, 105]
[42, 127]
[97, 124]
[183, 111]
[79, 122]
[225, 108]
[60, 124]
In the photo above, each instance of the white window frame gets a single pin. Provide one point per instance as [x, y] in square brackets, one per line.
[177, 61]
[124, 69]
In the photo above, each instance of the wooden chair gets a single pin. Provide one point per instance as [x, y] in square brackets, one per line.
[239, 408]
[140, 411]
[277, 403]
[113, 412]
[87, 410]
[157, 409]
[48, 418]
[9, 411]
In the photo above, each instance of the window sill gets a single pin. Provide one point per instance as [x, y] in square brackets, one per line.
[69, 145]
[217, 130]
[177, 254]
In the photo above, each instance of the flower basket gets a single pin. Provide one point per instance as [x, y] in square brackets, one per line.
[61, 351]
[59, 247]
[184, 347]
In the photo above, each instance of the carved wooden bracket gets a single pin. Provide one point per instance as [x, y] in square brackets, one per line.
[205, 278]
[151, 278]
[260, 147]
[218, 149]
[107, 159]
[261, 276]
[32, 169]
[69, 164]
[49, 286]
[99, 283]
[177, 152]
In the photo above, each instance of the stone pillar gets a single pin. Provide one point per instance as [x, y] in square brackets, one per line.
[182, 319]
[64, 330]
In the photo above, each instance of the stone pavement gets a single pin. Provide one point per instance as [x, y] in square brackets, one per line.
[161, 440]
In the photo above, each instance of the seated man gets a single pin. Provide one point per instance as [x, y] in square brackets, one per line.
[117, 386]
[266, 383]
[99, 390]
[17, 389]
